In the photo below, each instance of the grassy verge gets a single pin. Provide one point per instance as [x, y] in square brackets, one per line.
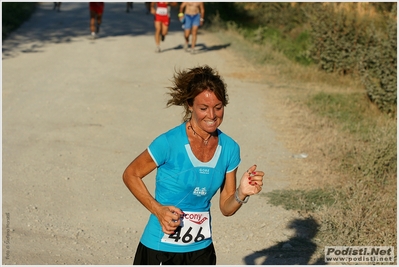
[355, 143]
[305, 200]
[14, 14]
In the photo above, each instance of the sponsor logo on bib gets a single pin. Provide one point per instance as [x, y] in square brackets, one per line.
[195, 218]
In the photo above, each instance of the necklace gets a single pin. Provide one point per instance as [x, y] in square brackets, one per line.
[195, 133]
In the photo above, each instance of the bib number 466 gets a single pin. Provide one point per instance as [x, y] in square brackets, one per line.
[195, 227]
[187, 236]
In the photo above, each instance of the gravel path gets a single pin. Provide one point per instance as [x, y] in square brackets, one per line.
[77, 111]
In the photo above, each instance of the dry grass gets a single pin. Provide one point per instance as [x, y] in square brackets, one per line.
[365, 209]
[361, 9]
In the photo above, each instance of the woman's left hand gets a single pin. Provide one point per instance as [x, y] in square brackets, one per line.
[251, 182]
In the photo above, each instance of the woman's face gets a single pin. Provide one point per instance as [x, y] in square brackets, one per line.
[207, 111]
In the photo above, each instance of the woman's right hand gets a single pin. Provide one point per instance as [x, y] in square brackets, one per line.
[169, 217]
[251, 182]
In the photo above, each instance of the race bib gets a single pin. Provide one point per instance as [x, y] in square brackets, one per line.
[194, 227]
[163, 11]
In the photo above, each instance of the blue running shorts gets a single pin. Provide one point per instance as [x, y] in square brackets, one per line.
[191, 20]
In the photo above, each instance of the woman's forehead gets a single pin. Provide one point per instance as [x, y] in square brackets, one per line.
[207, 97]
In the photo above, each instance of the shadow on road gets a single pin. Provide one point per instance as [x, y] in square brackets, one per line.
[48, 26]
[298, 250]
[203, 48]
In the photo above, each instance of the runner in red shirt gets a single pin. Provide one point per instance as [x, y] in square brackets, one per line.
[96, 14]
[161, 12]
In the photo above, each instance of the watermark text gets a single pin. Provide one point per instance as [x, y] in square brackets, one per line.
[359, 254]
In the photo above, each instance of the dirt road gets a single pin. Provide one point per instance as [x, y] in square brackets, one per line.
[77, 111]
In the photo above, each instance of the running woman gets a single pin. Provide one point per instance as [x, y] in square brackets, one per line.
[161, 12]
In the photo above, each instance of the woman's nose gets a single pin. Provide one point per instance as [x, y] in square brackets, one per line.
[211, 113]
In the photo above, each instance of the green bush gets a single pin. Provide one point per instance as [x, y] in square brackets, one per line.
[281, 15]
[335, 37]
[347, 44]
[14, 14]
[226, 12]
[378, 66]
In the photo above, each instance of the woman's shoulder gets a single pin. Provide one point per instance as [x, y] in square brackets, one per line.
[170, 137]
[226, 139]
[176, 131]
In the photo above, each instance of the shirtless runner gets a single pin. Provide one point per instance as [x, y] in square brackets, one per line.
[193, 18]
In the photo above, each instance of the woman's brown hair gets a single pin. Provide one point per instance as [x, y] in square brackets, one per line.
[187, 84]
